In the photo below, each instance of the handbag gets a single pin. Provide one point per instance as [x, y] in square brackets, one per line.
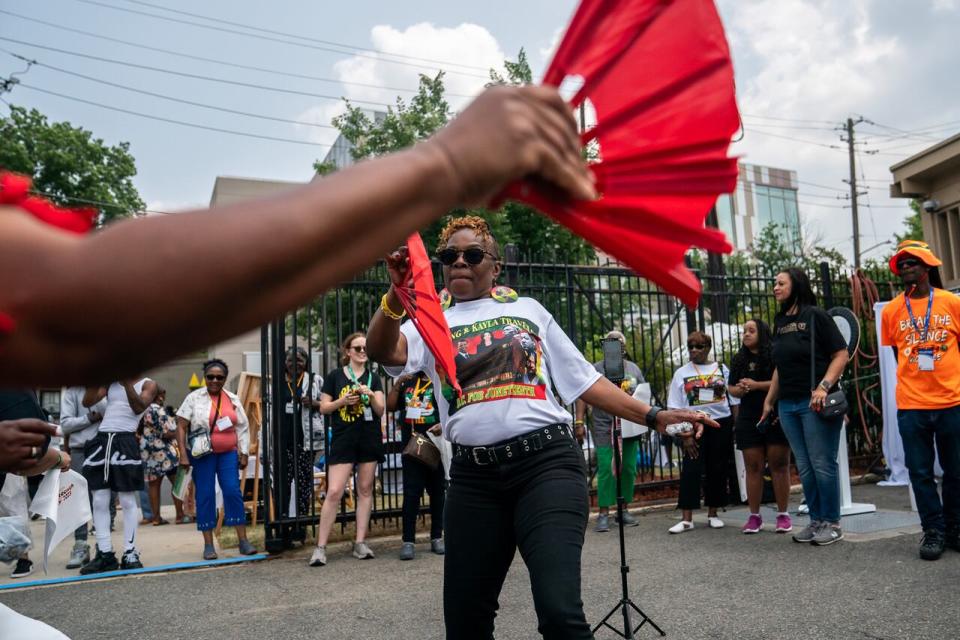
[421, 448]
[835, 404]
[200, 443]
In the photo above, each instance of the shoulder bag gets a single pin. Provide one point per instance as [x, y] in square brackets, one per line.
[835, 404]
[200, 443]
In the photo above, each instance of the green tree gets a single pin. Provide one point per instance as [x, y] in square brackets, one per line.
[405, 123]
[68, 164]
[913, 225]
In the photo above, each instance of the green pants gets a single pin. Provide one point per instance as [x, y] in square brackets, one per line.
[606, 483]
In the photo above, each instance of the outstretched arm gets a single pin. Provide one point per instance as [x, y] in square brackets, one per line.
[609, 397]
[267, 256]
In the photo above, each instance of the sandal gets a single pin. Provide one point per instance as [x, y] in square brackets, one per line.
[184, 520]
[160, 522]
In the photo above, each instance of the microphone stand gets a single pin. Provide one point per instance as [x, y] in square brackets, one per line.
[626, 605]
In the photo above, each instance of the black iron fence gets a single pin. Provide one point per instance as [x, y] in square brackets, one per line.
[587, 301]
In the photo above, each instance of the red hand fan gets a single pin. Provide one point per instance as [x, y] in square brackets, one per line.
[421, 302]
[659, 75]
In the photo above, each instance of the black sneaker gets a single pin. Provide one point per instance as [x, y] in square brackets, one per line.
[23, 569]
[101, 562]
[131, 560]
[932, 544]
[952, 538]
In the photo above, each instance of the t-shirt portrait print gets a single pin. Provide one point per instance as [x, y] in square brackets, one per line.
[511, 357]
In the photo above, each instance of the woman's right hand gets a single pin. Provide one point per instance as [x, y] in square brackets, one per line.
[351, 399]
[184, 460]
[398, 267]
[768, 410]
[509, 133]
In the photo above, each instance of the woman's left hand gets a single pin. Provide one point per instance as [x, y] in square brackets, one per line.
[243, 460]
[64, 461]
[436, 429]
[364, 390]
[818, 398]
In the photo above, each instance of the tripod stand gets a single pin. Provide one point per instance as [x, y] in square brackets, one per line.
[626, 605]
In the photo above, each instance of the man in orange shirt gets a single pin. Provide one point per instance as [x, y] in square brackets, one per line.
[923, 327]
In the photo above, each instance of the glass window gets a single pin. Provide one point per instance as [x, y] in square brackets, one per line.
[725, 219]
[764, 212]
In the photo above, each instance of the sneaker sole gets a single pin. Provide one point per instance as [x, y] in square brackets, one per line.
[316, 563]
[784, 530]
[799, 541]
[930, 557]
[21, 575]
[828, 542]
[750, 531]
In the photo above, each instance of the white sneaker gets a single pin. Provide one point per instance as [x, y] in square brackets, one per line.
[319, 557]
[715, 522]
[681, 527]
[361, 551]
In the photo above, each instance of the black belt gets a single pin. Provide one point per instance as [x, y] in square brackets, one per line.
[510, 450]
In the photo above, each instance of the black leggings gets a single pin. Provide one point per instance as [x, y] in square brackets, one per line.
[716, 449]
[538, 505]
[417, 477]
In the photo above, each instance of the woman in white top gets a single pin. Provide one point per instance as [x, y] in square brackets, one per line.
[701, 384]
[112, 463]
[517, 477]
[213, 435]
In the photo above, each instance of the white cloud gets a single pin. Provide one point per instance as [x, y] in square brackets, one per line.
[469, 49]
[820, 62]
[321, 114]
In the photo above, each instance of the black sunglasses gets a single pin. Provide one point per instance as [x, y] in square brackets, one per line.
[473, 255]
[907, 263]
[694, 345]
[215, 378]
[359, 349]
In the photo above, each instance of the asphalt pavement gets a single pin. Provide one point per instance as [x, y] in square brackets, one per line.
[712, 584]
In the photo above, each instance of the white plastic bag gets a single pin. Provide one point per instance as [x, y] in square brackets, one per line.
[14, 538]
[62, 499]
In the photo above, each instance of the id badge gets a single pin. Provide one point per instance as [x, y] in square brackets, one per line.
[368, 414]
[414, 413]
[925, 359]
[290, 408]
[705, 394]
[224, 423]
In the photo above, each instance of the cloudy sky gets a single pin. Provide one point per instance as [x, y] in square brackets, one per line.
[803, 67]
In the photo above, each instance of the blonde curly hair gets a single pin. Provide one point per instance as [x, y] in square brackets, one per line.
[476, 224]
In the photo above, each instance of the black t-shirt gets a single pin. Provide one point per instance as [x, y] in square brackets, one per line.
[417, 406]
[791, 350]
[756, 367]
[337, 384]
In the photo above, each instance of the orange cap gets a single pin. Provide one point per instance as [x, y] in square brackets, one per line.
[916, 248]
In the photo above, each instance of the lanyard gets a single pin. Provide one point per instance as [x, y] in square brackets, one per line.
[417, 391]
[354, 377]
[700, 375]
[217, 415]
[913, 320]
[299, 387]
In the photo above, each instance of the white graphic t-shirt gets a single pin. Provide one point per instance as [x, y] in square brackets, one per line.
[510, 359]
[702, 387]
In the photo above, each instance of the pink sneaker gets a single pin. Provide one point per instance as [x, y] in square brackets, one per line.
[753, 525]
[784, 524]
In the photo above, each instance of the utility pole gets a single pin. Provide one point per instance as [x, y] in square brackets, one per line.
[851, 123]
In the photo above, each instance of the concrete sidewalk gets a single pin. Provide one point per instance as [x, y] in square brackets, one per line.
[716, 584]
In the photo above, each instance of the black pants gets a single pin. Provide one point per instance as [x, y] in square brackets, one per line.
[716, 448]
[538, 505]
[417, 477]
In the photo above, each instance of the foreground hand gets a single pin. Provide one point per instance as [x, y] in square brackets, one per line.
[697, 418]
[21, 442]
[818, 398]
[398, 267]
[509, 133]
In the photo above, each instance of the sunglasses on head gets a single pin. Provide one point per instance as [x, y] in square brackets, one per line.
[359, 349]
[473, 255]
[215, 378]
[697, 345]
[908, 263]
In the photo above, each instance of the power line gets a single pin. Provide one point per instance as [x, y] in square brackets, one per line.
[299, 37]
[226, 63]
[170, 98]
[782, 119]
[272, 39]
[769, 125]
[112, 205]
[195, 76]
[174, 121]
[819, 144]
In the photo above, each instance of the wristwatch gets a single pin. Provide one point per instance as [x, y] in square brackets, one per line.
[651, 418]
[825, 385]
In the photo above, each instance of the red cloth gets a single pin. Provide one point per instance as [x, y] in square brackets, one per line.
[659, 75]
[226, 440]
[421, 302]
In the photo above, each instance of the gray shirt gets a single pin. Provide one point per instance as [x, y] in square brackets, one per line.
[603, 421]
[75, 418]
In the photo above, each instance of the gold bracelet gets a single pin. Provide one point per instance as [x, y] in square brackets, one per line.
[390, 313]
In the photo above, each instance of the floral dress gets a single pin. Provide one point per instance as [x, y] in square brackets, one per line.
[159, 455]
